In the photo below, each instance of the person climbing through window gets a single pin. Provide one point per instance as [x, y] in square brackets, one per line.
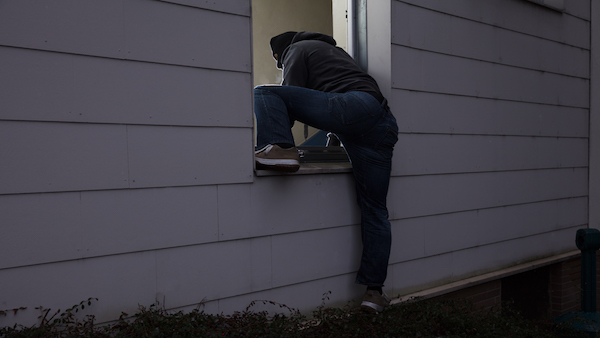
[324, 87]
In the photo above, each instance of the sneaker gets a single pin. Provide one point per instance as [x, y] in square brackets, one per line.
[374, 302]
[273, 157]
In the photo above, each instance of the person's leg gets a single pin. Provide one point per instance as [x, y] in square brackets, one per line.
[371, 156]
[276, 107]
[367, 130]
[273, 123]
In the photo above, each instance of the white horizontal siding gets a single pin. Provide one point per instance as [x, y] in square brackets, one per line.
[160, 32]
[415, 196]
[311, 255]
[70, 26]
[438, 269]
[188, 275]
[580, 9]
[423, 154]
[332, 291]
[446, 34]
[517, 15]
[179, 156]
[39, 228]
[46, 157]
[121, 283]
[100, 223]
[146, 219]
[50, 157]
[415, 238]
[339, 290]
[432, 72]
[143, 30]
[491, 167]
[435, 113]
[45, 86]
[284, 204]
[503, 224]
[239, 7]
[176, 277]
[506, 253]
[118, 121]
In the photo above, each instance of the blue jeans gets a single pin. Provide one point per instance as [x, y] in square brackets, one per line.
[368, 131]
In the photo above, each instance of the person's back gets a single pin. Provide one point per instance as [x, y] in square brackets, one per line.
[313, 61]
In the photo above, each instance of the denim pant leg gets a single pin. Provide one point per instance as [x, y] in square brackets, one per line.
[277, 107]
[273, 123]
[371, 157]
[368, 131]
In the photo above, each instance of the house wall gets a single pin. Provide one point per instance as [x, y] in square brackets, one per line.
[127, 175]
[119, 122]
[126, 168]
[491, 167]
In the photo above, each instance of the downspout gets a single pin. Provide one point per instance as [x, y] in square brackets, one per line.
[357, 32]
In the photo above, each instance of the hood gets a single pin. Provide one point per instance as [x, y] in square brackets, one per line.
[281, 43]
[301, 36]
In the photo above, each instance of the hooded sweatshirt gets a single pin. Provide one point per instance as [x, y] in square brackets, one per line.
[313, 61]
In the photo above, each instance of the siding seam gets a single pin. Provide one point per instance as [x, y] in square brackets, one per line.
[497, 26]
[204, 8]
[493, 171]
[491, 62]
[488, 98]
[494, 135]
[490, 208]
[492, 243]
[125, 59]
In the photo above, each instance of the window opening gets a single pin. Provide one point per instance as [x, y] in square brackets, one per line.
[272, 17]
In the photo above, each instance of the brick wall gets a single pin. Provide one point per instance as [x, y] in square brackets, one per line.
[565, 287]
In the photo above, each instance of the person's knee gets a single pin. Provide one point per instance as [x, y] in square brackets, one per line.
[264, 88]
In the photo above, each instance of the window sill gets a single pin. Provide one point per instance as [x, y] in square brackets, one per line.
[312, 169]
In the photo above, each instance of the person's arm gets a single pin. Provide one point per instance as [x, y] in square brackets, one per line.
[295, 71]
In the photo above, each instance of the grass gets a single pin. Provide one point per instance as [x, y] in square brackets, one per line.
[418, 318]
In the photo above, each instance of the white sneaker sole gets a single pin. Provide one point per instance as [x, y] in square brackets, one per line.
[277, 161]
[371, 306]
[285, 165]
